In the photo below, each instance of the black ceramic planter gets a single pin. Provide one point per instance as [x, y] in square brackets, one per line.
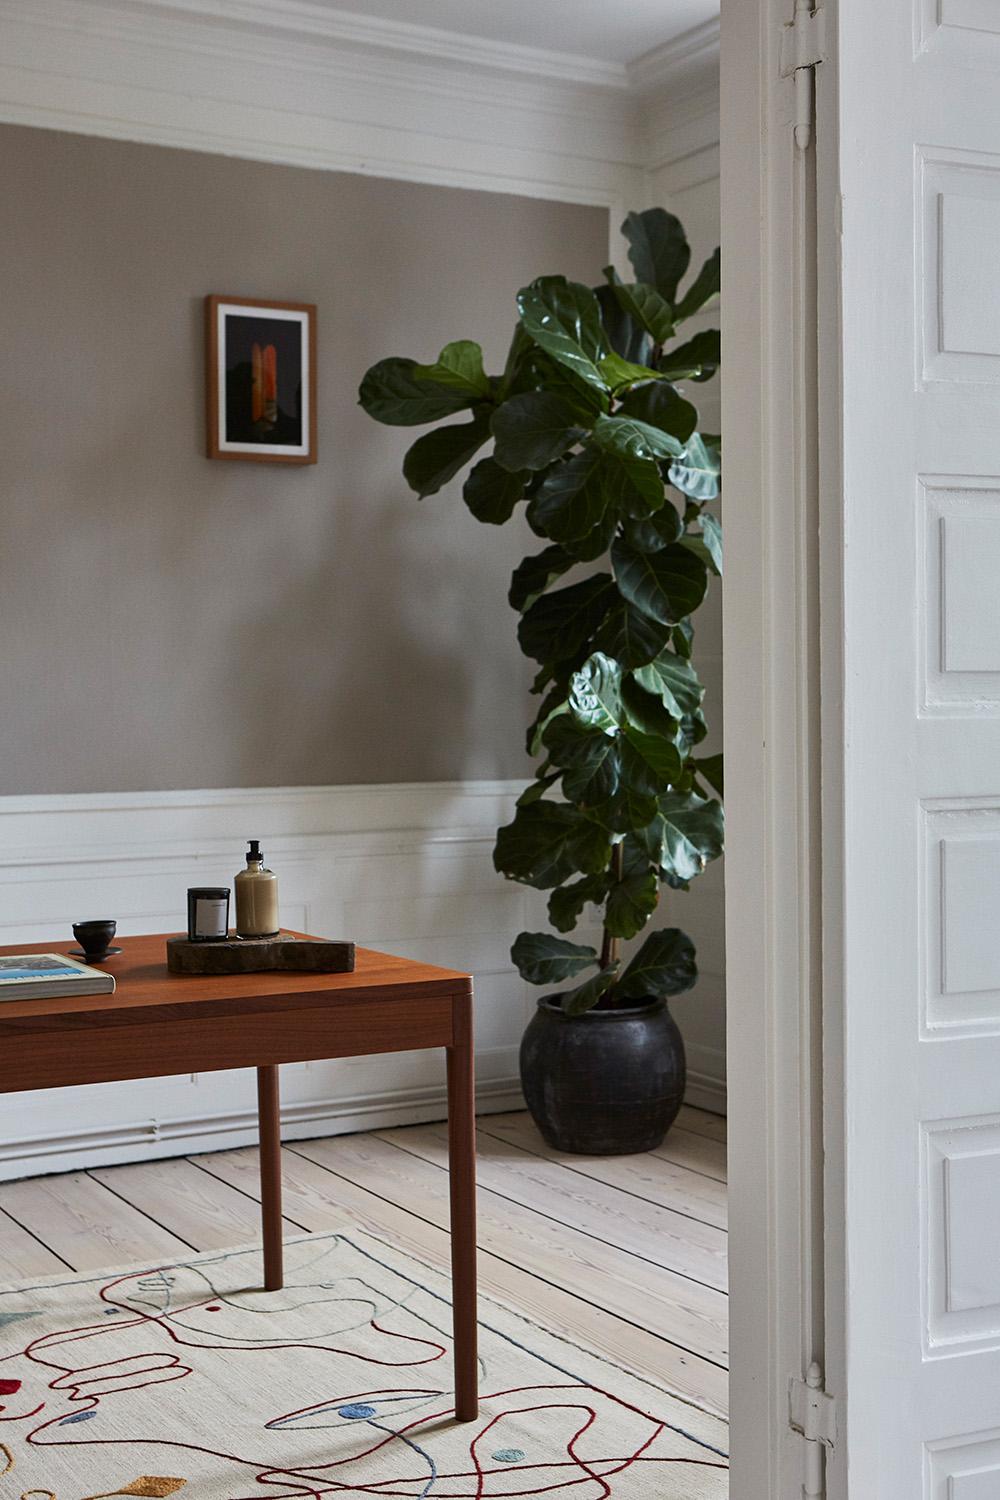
[604, 1083]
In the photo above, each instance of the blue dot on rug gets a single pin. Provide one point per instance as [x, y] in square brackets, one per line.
[77, 1416]
[356, 1411]
[508, 1455]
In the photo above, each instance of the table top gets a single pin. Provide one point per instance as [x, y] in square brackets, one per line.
[144, 983]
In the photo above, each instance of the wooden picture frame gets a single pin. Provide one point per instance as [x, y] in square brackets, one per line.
[260, 380]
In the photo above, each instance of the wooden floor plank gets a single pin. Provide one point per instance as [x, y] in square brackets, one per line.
[643, 1175]
[560, 1235]
[321, 1200]
[697, 1152]
[689, 1314]
[701, 1122]
[632, 1226]
[22, 1256]
[206, 1213]
[85, 1224]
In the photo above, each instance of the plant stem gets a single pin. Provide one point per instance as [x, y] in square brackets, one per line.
[610, 947]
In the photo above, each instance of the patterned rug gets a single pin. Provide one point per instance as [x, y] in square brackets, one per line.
[188, 1380]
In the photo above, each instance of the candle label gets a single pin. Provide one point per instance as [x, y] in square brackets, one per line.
[210, 914]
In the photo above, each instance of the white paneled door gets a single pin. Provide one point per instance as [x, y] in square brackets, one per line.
[917, 744]
[862, 650]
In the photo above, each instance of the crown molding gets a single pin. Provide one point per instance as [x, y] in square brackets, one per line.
[322, 23]
[300, 83]
[689, 62]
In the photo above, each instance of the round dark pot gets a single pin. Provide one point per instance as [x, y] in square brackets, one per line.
[604, 1083]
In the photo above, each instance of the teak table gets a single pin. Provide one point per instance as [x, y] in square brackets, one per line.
[158, 1023]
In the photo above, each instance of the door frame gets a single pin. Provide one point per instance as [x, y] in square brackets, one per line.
[782, 709]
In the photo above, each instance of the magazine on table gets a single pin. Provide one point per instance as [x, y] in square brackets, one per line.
[44, 976]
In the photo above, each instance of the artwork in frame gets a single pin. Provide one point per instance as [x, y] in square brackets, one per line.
[261, 379]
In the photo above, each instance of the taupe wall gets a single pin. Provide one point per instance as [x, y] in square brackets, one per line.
[169, 621]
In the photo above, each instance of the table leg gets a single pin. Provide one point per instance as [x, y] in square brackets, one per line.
[269, 1117]
[462, 1184]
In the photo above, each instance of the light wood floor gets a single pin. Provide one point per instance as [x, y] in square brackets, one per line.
[625, 1254]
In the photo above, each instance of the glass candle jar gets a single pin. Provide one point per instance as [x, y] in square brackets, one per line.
[208, 913]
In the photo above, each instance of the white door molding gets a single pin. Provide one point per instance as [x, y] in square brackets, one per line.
[771, 641]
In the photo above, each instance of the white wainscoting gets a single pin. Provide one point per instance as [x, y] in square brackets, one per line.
[406, 868]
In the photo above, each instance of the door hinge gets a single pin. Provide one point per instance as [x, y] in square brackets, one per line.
[812, 1413]
[803, 47]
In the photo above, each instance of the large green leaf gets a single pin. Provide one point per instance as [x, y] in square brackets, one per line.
[650, 763]
[564, 318]
[664, 965]
[696, 471]
[547, 843]
[644, 306]
[566, 902]
[586, 995]
[532, 577]
[674, 681]
[633, 439]
[625, 336]
[634, 486]
[491, 493]
[703, 289]
[519, 356]
[630, 636]
[686, 833]
[633, 899]
[646, 711]
[665, 585]
[658, 249]
[653, 533]
[572, 499]
[533, 429]
[537, 789]
[621, 375]
[711, 768]
[630, 811]
[558, 626]
[393, 393]
[439, 455]
[460, 367]
[541, 958]
[711, 530]
[595, 693]
[698, 359]
[659, 405]
[588, 758]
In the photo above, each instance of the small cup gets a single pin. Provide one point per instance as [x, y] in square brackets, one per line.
[95, 938]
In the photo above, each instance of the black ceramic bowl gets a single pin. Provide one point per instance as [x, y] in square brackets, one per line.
[94, 937]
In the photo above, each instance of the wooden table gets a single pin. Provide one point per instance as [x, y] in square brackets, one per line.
[158, 1023]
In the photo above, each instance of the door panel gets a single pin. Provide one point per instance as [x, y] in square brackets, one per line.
[918, 742]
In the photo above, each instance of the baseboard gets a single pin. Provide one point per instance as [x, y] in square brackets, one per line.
[705, 1092]
[114, 1145]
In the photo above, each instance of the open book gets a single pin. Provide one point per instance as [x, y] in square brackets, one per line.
[42, 976]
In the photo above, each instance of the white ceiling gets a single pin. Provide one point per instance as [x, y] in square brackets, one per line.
[610, 31]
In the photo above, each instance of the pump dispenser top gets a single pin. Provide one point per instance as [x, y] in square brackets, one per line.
[256, 897]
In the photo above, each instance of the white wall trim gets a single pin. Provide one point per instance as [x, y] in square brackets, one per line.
[685, 65]
[150, 1139]
[405, 867]
[299, 83]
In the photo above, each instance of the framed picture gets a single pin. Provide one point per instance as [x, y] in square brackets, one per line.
[261, 380]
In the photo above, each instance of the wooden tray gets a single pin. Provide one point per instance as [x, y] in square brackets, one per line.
[254, 955]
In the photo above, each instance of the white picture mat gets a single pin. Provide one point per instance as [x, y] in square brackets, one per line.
[245, 310]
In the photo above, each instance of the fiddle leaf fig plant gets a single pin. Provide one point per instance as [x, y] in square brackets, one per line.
[594, 433]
